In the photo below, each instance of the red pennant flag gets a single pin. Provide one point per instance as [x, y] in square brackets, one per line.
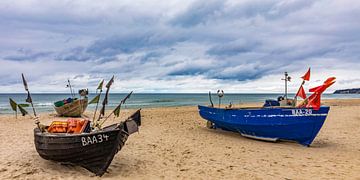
[330, 80]
[315, 98]
[301, 93]
[316, 89]
[306, 77]
[314, 101]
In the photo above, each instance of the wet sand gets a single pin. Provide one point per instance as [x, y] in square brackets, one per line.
[174, 143]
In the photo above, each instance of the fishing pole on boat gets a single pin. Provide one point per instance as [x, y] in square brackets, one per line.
[105, 101]
[301, 92]
[29, 100]
[71, 90]
[220, 94]
[96, 99]
[212, 104]
[116, 111]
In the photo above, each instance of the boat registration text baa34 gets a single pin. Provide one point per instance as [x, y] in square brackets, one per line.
[99, 138]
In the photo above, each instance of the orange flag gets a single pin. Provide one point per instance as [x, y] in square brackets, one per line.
[301, 93]
[330, 81]
[314, 101]
[315, 98]
[306, 77]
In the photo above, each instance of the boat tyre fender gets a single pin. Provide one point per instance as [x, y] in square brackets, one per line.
[210, 125]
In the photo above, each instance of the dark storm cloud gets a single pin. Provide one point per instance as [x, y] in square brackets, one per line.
[27, 55]
[215, 40]
[132, 42]
[233, 48]
[199, 12]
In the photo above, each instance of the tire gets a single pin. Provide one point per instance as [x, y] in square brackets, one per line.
[210, 125]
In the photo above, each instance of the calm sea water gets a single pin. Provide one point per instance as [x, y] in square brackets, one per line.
[44, 102]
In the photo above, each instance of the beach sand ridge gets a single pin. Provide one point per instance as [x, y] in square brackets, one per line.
[174, 143]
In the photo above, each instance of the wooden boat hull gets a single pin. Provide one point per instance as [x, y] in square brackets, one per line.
[74, 109]
[296, 124]
[93, 151]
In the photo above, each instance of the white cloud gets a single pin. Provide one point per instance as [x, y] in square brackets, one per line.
[178, 46]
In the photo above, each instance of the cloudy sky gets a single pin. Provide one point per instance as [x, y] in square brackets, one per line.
[240, 46]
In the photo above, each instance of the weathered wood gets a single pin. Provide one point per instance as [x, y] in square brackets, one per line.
[73, 109]
[93, 151]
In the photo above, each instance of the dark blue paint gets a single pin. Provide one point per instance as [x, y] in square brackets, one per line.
[277, 123]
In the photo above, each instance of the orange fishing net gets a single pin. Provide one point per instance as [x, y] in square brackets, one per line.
[72, 125]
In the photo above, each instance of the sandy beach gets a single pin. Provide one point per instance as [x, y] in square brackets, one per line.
[174, 143]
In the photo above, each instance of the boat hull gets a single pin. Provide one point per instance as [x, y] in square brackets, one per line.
[93, 151]
[296, 124]
[74, 109]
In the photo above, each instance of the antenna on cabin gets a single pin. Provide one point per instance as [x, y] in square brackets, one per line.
[286, 79]
[220, 93]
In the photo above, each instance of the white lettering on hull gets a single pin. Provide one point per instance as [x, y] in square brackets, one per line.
[301, 112]
[99, 138]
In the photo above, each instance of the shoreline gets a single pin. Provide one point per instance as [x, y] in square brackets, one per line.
[174, 143]
[327, 102]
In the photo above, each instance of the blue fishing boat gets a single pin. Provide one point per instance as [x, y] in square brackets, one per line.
[281, 119]
[269, 123]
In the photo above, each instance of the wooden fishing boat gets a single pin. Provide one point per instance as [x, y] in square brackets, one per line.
[73, 109]
[93, 151]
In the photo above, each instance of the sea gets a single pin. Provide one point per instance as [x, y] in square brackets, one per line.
[45, 102]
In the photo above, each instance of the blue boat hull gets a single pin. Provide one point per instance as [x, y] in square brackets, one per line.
[296, 124]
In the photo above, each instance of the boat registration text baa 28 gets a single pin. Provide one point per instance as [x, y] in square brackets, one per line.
[301, 112]
[99, 138]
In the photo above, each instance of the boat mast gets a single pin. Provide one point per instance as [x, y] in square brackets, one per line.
[71, 91]
[29, 100]
[287, 78]
[100, 86]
